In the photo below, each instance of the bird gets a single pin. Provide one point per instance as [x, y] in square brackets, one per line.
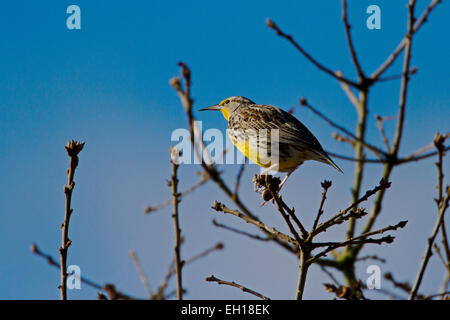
[250, 128]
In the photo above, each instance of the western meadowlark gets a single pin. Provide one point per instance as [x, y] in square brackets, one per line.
[251, 128]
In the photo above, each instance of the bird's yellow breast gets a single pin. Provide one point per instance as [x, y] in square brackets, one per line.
[251, 152]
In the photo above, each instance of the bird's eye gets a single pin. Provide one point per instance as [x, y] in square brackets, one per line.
[228, 101]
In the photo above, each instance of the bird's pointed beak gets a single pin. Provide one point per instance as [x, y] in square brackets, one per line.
[215, 108]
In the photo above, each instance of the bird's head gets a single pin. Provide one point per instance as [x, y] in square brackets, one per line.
[228, 105]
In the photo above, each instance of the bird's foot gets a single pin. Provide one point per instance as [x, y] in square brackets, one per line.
[265, 201]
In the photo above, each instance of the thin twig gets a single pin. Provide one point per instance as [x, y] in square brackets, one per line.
[334, 246]
[238, 178]
[333, 74]
[401, 224]
[377, 151]
[405, 79]
[118, 295]
[442, 294]
[176, 223]
[73, 148]
[330, 275]
[380, 121]
[325, 185]
[220, 207]
[408, 159]
[142, 276]
[381, 186]
[245, 233]
[192, 188]
[212, 278]
[404, 286]
[349, 92]
[371, 257]
[390, 60]
[438, 142]
[441, 257]
[415, 157]
[204, 253]
[428, 251]
[413, 71]
[350, 41]
[352, 159]
[342, 138]
[362, 237]
[159, 295]
[286, 218]
[442, 207]
[292, 214]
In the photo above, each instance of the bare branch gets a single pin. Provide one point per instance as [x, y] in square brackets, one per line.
[334, 245]
[325, 185]
[428, 251]
[283, 206]
[442, 203]
[175, 216]
[238, 178]
[411, 158]
[350, 41]
[438, 142]
[346, 139]
[73, 148]
[109, 290]
[142, 276]
[245, 233]
[415, 157]
[159, 295]
[405, 79]
[349, 92]
[438, 252]
[371, 257]
[404, 286]
[337, 218]
[352, 159]
[202, 181]
[413, 71]
[380, 126]
[390, 60]
[333, 74]
[220, 207]
[329, 274]
[216, 247]
[212, 278]
[377, 151]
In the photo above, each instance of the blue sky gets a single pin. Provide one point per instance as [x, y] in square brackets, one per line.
[107, 84]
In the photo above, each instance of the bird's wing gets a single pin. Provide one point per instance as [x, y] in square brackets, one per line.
[291, 130]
